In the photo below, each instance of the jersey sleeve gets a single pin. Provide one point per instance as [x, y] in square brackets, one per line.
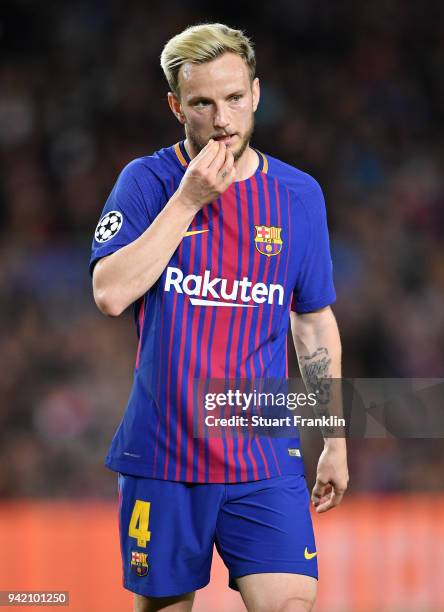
[128, 212]
[314, 285]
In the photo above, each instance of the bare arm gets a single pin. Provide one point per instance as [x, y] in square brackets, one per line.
[123, 277]
[318, 348]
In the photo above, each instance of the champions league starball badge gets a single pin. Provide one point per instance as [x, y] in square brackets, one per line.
[108, 226]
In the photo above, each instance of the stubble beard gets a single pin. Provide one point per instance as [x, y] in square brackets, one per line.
[197, 144]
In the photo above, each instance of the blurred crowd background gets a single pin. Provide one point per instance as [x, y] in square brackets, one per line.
[351, 92]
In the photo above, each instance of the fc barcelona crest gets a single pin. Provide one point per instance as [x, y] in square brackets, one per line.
[139, 564]
[268, 240]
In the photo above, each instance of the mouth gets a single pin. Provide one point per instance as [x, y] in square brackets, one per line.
[224, 138]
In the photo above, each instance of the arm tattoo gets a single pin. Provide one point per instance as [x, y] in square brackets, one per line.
[315, 371]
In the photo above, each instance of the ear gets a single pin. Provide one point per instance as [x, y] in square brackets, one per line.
[176, 107]
[255, 88]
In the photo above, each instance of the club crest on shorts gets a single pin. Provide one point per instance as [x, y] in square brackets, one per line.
[268, 240]
[108, 226]
[139, 563]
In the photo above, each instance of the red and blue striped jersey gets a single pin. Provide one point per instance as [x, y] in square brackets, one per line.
[220, 310]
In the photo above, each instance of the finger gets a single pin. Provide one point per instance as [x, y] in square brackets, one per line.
[321, 495]
[318, 500]
[331, 501]
[218, 159]
[226, 172]
[207, 154]
[325, 507]
[316, 497]
[319, 488]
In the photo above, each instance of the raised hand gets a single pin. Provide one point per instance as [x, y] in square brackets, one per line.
[208, 175]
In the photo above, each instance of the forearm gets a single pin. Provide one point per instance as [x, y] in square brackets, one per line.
[123, 277]
[318, 348]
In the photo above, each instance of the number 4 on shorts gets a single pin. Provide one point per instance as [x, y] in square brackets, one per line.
[138, 527]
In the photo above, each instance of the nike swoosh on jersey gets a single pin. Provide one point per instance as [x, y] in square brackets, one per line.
[309, 555]
[194, 232]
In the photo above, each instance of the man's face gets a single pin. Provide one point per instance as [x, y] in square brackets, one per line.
[217, 100]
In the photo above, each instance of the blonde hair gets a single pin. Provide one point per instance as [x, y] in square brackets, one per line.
[202, 43]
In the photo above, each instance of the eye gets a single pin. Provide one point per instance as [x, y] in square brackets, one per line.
[201, 103]
[236, 97]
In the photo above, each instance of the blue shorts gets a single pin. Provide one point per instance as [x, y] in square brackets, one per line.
[167, 531]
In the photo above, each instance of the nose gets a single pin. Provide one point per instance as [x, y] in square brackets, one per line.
[221, 119]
